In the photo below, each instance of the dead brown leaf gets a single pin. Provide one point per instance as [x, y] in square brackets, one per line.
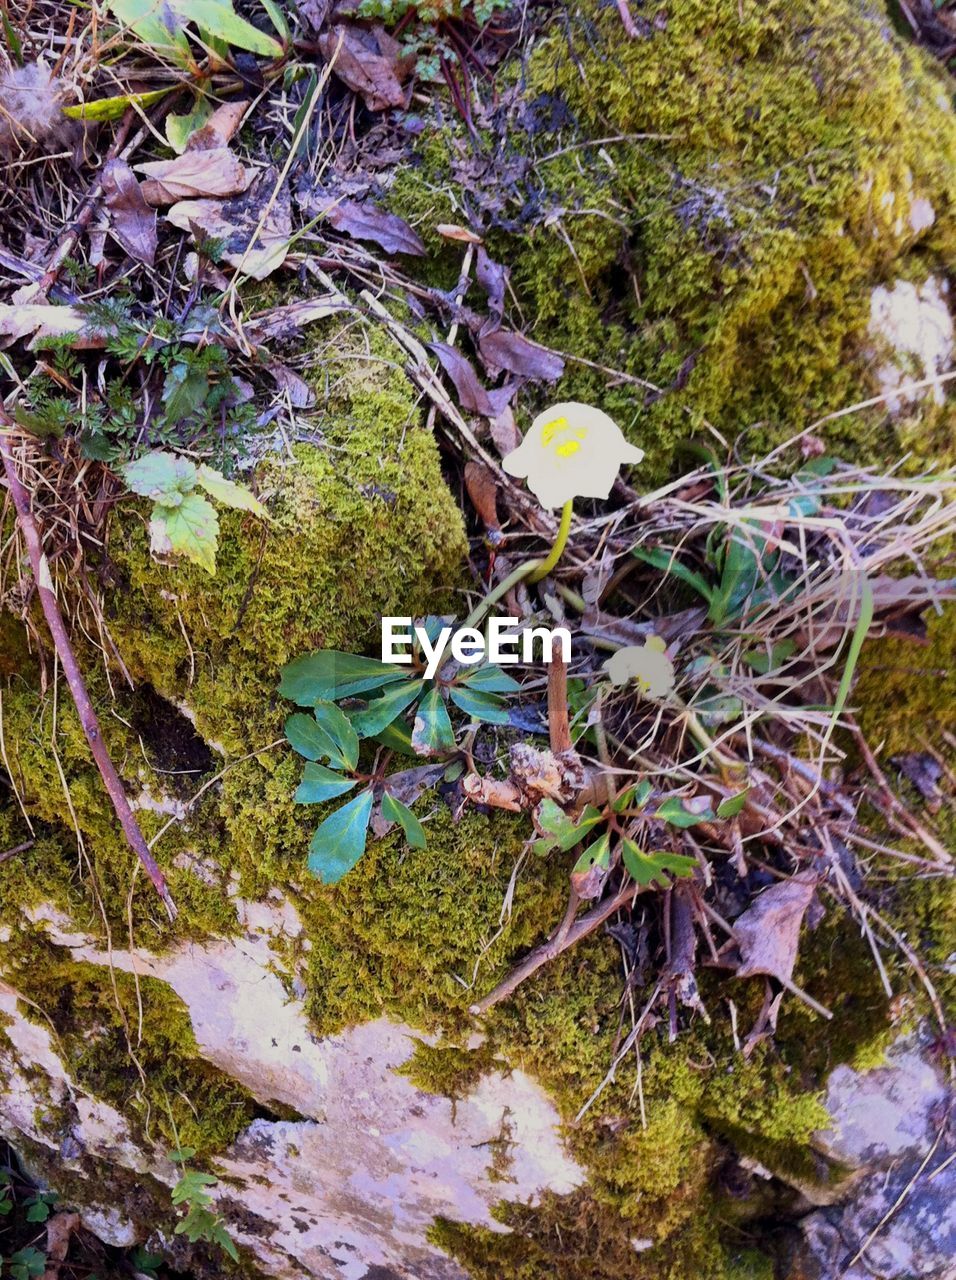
[365, 221]
[59, 1230]
[132, 223]
[41, 320]
[768, 933]
[234, 222]
[483, 491]
[214, 172]
[505, 349]
[288, 320]
[369, 61]
[493, 278]
[301, 395]
[451, 231]
[219, 128]
[406, 786]
[472, 396]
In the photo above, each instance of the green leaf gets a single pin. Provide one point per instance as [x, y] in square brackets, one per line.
[308, 738]
[162, 33]
[560, 831]
[395, 811]
[332, 674]
[277, 18]
[339, 841]
[181, 127]
[184, 391]
[674, 812]
[490, 679]
[333, 721]
[397, 736]
[220, 19]
[661, 558]
[479, 705]
[596, 855]
[161, 25]
[636, 797]
[730, 806]
[182, 1154]
[319, 783]
[164, 477]
[380, 712]
[113, 108]
[432, 733]
[37, 1210]
[649, 868]
[191, 1187]
[192, 529]
[233, 495]
[26, 1263]
[762, 662]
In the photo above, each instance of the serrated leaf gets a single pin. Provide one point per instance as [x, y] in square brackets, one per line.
[380, 712]
[333, 721]
[223, 490]
[331, 674]
[164, 477]
[479, 705]
[113, 108]
[432, 733]
[560, 831]
[192, 529]
[730, 806]
[649, 868]
[673, 811]
[184, 392]
[181, 1154]
[395, 811]
[490, 679]
[339, 841]
[319, 783]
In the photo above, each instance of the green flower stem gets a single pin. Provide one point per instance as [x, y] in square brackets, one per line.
[533, 570]
[545, 567]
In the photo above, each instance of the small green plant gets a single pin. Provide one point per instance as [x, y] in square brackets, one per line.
[183, 521]
[39, 1206]
[24, 1264]
[394, 706]
[192, 1193]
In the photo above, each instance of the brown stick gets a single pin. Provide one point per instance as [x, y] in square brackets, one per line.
[84, 707]
[17, 848]
[554, 946]
[559, 727]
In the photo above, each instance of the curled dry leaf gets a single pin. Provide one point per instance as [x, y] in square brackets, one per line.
[493, 278]
[451, 231]
[301, 395]
[505, 349]
[768, 933]
[483, 491]
[472, 396]
[215, 172]
[235, 221]
[132, 223]
[368, 61]
[219, 128]
[365, 221]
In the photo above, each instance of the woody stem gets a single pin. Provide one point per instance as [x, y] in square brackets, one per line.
[533, 570]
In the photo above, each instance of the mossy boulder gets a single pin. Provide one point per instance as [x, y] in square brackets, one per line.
[704, 211]
[728, 257]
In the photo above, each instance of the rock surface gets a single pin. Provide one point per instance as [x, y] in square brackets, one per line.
[892, 1127]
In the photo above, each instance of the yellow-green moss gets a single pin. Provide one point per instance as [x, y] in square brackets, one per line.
[720, 199]
[906, 691]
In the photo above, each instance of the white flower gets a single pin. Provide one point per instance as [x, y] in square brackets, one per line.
[571, 451]
[646, 663]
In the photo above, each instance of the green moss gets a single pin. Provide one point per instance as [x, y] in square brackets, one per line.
[906, 691]
[752, 185]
